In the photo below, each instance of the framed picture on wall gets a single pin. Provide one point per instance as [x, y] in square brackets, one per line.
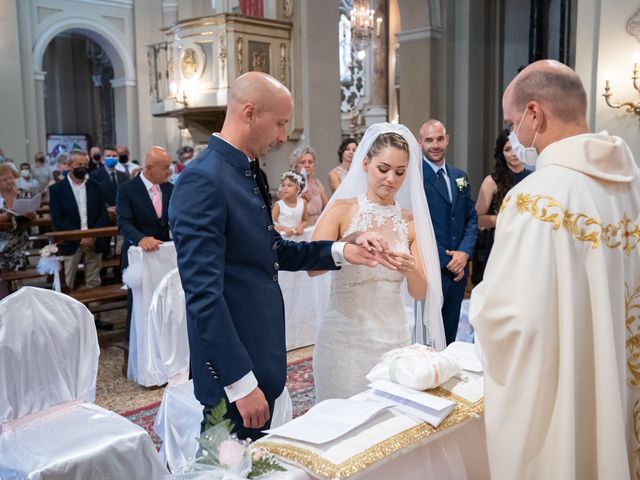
[58, 143]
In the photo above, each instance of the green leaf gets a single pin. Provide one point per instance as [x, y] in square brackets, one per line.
[216, 417]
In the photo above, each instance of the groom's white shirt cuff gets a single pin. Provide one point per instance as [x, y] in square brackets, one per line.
[241, 388]
[337, 252]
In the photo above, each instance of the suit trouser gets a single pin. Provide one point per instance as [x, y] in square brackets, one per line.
[92, 266]
[453, 294]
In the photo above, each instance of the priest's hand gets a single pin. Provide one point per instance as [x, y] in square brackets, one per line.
[254, 409]
[149, 244]
[457, 264]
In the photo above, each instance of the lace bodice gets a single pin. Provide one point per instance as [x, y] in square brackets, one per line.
[385, 219]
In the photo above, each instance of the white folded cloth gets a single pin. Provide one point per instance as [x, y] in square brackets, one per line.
[415, 366]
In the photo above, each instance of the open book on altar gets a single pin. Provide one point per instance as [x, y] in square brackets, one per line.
[423, 405]
[329, 420]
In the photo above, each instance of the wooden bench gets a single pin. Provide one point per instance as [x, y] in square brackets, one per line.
[106, 293]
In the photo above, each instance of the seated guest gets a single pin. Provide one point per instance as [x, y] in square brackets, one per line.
[290, 212]
[303, 160]
[42, 172]
[77, 203]
[507, 172]
[26, 182]
[143, 208]
[345, 155]
[14, 239]
[124, 164]
[109, 178]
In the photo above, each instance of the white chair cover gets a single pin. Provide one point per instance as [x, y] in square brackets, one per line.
[48, 364]
[168, 344]
[304, 301]
[142, 276]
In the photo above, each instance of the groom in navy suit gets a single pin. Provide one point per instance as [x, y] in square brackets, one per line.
[229, 255]
[454, 218]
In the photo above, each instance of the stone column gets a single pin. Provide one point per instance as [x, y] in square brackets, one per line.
[126, 114]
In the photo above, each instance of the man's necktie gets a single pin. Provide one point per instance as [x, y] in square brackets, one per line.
[126, 167]
[156, 200]
[443, 182]
[114, 182]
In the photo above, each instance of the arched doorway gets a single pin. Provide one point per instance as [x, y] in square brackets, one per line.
[78, 95]
[105, 47]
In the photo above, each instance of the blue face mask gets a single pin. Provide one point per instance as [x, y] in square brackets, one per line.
[111, 162]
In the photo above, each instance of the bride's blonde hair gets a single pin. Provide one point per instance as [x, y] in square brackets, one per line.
[386, 140]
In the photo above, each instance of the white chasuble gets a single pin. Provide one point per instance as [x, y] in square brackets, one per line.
[558, 318]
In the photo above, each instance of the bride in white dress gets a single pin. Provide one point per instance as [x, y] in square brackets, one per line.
[383, 194]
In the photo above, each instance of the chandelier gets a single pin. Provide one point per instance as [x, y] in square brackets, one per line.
[363, 25]
[630, 106]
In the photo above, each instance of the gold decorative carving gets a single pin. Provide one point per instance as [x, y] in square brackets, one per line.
[170, 59]
[320, 466]
[625, 233]
[632, 323]
[222, 55]
[287, 8]
[239, 59]
[283, 63]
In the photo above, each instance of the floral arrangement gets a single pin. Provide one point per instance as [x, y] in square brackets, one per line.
[49, 264]
[224, 456]
[461, 183]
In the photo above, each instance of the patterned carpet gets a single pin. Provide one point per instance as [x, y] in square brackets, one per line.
[299, 383]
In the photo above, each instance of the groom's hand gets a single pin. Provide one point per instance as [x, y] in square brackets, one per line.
[358, 255]
[254, 409]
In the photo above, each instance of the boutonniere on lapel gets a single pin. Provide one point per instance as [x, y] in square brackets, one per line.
[461, 183]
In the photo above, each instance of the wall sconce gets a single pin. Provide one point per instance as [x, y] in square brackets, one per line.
[363, 26]
[630, 106]
[173, 87]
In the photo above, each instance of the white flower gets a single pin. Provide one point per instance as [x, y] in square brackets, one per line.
[461, 183]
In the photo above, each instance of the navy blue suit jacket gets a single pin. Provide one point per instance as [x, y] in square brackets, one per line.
[136, 216]
[66, 216]
[229, 255]
[455, 223]
[108, 189]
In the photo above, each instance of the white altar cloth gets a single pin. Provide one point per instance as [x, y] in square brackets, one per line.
[397, 446]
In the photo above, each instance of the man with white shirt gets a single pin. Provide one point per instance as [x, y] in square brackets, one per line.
[229, 255]
[77, 203]
[142, 208]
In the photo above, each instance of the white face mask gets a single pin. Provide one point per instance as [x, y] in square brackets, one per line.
[25, 173]
[527, 155]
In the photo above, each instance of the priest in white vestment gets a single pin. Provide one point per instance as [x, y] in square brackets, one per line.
[558, 312]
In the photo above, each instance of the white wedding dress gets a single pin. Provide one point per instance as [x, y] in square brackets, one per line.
[365, 316]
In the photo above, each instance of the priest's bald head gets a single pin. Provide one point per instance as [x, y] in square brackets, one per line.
[259, 108]
[546, 102]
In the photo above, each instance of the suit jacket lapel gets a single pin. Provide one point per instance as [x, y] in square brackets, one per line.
[72, 200]
[164, 188]
[146, 199]
[454, 187]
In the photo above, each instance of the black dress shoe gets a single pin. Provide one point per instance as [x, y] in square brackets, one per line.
[102, 325]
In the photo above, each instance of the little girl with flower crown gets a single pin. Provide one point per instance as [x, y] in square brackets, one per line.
[290, 212]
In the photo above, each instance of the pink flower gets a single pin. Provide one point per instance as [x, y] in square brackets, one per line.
[258, 453]
[230, 453]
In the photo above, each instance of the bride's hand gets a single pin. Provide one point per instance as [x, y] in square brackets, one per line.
[404, 262]
[372, 241]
